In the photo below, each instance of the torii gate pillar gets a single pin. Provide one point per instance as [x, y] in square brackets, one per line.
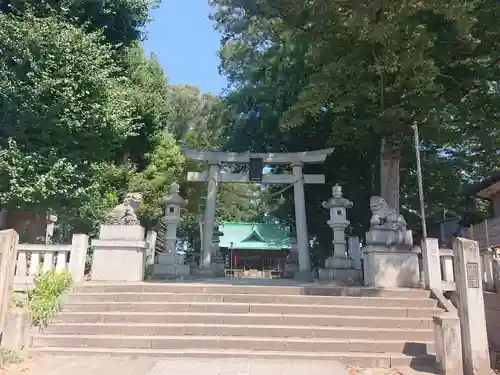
[300, 221]
[209, 214]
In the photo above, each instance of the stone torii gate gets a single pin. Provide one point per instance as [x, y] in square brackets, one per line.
[213, 177]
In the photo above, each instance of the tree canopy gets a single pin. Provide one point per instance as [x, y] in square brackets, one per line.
[86, 116]
[356, 77]
[63, 107]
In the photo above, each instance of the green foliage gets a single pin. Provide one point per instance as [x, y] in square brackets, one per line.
[43, 299]
[109, 184]
[195, 120]
[70, 107]
[8, 357]
[151, 109]
[87, 117]
[310, 75]
[120, 20]
[165, 165]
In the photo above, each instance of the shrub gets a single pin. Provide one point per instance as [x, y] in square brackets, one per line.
[8, 357]
[43, 299]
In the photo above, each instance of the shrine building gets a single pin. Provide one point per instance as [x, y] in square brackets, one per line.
[254, 248]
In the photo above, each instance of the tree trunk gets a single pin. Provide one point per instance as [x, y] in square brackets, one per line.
[389, 174]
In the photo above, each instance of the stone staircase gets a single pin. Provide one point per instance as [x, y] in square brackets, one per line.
[353, 325]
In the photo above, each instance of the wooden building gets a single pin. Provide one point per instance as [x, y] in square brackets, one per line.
[254, 247]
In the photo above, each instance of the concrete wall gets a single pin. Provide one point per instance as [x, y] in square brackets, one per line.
[492, 307]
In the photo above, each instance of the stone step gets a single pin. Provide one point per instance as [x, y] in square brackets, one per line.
[245, 308]
[375, 360]
[419, 335]
[226, 288]
[244, 319]
[252, 298]
[324, 345]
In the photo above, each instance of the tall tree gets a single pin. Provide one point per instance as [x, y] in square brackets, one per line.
[150, 105]
[120, 21]
[198, 121]
[64, 108]
[357, 77]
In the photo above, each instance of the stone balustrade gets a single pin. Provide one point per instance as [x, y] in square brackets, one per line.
[33, 259]
[489, 273]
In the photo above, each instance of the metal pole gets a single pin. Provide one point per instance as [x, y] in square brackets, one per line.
[419, 180]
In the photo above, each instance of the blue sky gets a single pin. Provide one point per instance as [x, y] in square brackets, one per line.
[185, 42]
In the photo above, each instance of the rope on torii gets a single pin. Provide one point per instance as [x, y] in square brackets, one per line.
[268, 195]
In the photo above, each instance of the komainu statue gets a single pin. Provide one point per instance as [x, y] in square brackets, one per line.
[385, 217]
[125, 213]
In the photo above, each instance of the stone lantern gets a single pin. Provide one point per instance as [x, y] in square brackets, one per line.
[338, 206]
[173, 203]
[167, 263]
[217, 259]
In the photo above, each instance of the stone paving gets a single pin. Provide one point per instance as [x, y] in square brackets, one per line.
[56, 365]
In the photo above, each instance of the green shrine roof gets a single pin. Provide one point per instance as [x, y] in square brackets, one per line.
[254, 236]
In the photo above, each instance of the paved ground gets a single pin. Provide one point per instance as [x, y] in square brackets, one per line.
[149, 366]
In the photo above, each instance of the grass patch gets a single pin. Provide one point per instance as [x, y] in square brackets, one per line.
[43, 299]
[8, 357]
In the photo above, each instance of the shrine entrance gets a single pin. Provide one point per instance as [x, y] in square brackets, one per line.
[215, 161]
[254, 250]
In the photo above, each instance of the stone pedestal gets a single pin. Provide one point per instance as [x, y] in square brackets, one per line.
[390, 239]
[391, 269]
[169, 265]
[340, 269]
[119, 253]
[343, 275]
[338, 262]
[388, 260]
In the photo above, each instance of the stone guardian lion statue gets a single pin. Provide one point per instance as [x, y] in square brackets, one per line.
[125, 213]
[385, 217]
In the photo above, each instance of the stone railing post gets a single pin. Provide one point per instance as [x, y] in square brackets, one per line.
[432, 265]
[468, 281]
[448, 344]
[9, 245]
[151, 236]
[495, 264]
[355, 252]
[487, 256]
[78, 256]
